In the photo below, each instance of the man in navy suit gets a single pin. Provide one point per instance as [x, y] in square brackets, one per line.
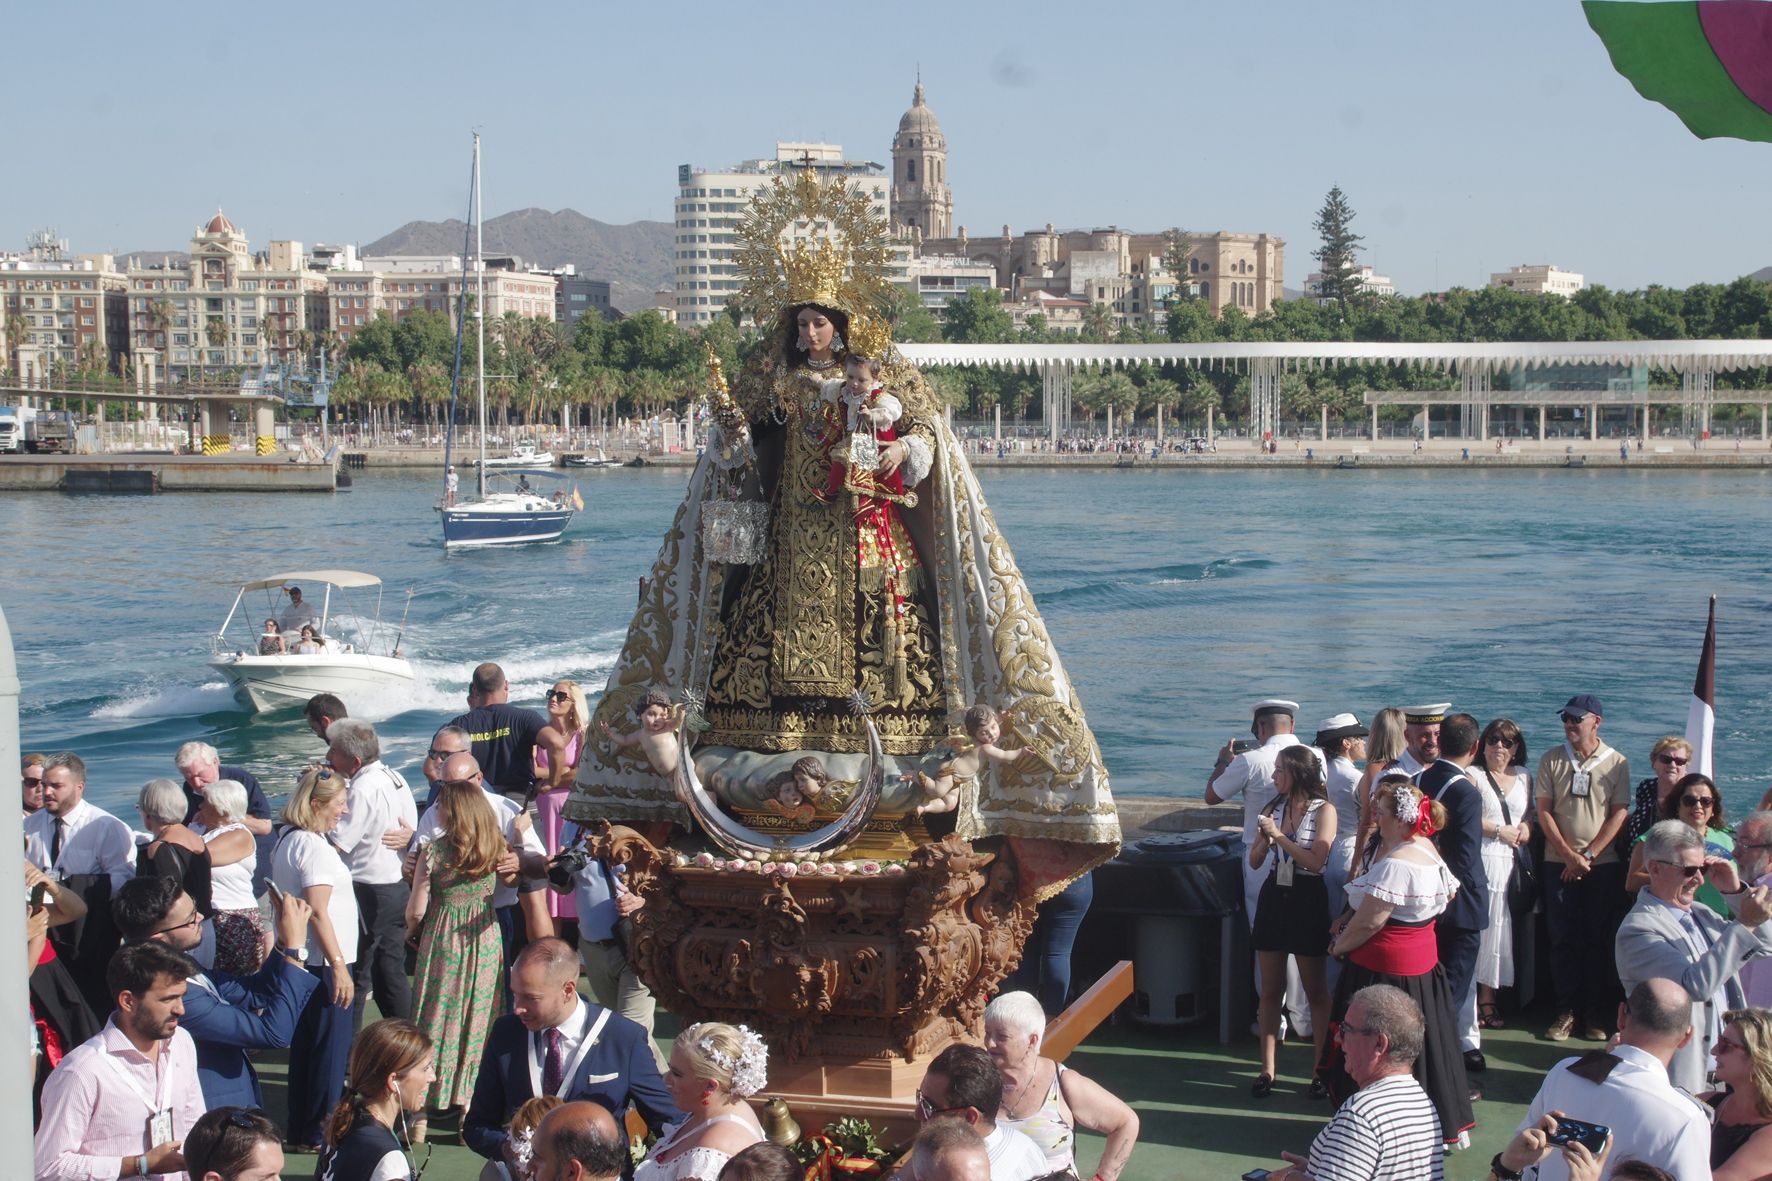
[1460, 929]
[554, 1042]
[225, 1015]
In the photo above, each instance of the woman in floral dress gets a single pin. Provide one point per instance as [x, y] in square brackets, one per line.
[458, 985]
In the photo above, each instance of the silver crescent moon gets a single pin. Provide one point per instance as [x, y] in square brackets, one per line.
[739, 841]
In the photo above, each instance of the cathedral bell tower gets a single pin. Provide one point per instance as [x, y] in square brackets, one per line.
[920, 195]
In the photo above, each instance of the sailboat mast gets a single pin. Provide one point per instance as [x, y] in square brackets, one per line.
[480, 309]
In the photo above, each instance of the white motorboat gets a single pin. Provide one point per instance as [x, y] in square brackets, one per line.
[522, 455]
[597, 460]
[350, 656]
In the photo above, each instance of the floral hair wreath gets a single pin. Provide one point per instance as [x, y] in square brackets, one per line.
[750, 1072]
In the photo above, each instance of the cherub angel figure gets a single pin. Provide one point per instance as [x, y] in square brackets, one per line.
[656, 736]
[985, 726]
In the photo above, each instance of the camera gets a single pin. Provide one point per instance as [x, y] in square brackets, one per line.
[564, 866]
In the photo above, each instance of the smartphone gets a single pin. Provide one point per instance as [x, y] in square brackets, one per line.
[276, 892]
[39, 893]
[1258, 1175]
[1238, 746]
[1590, 1136]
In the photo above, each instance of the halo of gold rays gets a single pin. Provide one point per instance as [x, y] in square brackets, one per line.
[803, 241]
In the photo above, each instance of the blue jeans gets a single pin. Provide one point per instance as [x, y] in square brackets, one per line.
[1045, 968]
[318, 1054]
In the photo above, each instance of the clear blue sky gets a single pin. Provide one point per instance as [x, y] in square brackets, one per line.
[1468, 136]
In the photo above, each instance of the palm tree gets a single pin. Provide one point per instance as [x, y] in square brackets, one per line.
[217, 333]
[15, 337]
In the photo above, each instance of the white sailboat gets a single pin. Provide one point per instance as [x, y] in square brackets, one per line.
[517, 515]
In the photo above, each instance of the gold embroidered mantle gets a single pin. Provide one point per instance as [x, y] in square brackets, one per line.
[989, 645]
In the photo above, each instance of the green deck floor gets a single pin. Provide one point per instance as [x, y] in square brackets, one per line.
[1192, 1099]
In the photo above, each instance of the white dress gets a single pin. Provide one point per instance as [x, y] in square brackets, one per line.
[703, 1164]
[1495, 953]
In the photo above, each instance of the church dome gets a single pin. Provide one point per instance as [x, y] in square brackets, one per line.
[919, 120]
[219, 224]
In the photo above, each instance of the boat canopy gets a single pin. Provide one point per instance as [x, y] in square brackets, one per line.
[335, 577]
[514, 474]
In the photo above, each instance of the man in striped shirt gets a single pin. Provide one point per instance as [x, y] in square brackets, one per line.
[1388, 1131]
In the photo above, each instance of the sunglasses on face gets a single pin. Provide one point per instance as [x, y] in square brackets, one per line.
[1698, 801]
[443, 754]
[33, 780]
[1690, 871]
[1671, 760]
[1724, 1042]
[559, 695]
[1498, 740]
[928, 1111]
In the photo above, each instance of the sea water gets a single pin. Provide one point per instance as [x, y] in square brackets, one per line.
[1175, 600]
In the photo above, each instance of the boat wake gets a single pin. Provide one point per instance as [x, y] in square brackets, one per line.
[1151, 587]
[178, 701]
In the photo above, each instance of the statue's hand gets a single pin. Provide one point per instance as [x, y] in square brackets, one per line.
[891, 456]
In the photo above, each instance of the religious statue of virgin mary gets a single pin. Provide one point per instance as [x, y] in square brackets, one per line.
[780, 597]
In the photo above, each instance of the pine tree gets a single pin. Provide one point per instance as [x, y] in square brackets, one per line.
[1335, 257]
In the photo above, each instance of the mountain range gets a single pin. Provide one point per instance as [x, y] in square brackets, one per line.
[634, 258]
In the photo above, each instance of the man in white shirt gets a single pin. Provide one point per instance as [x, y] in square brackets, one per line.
[380, 804]
[1251, 774]
[963, 1083]
[93, 854]
[1627, 1090]
[120, 1104]
[297, 614]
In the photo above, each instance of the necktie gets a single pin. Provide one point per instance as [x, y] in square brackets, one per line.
[55, 842]
[553, 1066]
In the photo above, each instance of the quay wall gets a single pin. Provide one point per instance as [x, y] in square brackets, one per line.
[131, 471]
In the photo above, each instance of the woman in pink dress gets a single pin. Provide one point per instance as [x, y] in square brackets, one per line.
[546, 911]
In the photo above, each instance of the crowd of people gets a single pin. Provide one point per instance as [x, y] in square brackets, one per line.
[1393, 878]
[1389, 904]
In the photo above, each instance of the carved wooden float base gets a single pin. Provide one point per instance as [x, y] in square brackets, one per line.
[855, 981]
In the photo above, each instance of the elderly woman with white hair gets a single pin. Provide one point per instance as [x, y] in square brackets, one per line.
[1046, 1101]
[233, 860]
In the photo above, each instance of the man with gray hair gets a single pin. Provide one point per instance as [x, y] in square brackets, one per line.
[1388, 1130]
[1626, 1089]
[949, 1150]
[1664, 935]
[200, 765]
[379, 805]
[1753, 862]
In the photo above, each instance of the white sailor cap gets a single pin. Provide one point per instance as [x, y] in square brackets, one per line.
[1276, 705]
[1340, 726]
[1427, 715]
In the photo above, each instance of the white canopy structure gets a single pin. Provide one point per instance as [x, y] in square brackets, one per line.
[1696, 361]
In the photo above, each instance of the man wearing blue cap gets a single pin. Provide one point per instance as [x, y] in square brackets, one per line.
[1582, 793]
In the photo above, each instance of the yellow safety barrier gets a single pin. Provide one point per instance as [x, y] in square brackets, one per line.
[267, 445]
[217, 444]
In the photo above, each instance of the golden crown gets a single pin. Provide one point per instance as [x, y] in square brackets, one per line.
[815, 275]
[807, 241]
[869, 336]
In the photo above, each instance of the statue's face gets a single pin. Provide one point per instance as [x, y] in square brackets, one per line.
[816, 331]
[655, 718]
[809, 787]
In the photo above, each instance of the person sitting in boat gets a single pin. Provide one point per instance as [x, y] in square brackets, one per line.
[310, 643]
[297, 613]
[523, 486]
[270, 641]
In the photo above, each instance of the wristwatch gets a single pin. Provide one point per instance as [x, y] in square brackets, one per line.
[298, 954]
[1502, 1172]
[1589, 854]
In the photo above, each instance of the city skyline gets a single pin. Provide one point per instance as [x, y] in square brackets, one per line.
[1467, 140]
